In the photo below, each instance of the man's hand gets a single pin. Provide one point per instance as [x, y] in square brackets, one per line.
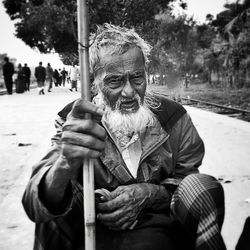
[82, 137]
[126, 203]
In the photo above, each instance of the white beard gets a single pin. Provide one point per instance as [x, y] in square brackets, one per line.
[129, 123]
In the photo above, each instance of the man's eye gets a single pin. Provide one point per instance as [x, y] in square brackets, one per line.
[113, 83]
[137, 79]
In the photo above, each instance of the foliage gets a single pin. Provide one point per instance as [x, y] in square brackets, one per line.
[173, 53]
[223, 52]
[218, 50]
[50, 25]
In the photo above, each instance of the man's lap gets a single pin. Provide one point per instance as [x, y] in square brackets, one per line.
[138, 239]
[155, 231]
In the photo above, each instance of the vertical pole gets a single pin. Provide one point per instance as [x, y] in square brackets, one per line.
[88, 168]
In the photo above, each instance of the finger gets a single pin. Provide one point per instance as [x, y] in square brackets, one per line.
[85, 126]
[113, 217]
[81, 107]
[112, 205]
[74, 151]
[84, 140]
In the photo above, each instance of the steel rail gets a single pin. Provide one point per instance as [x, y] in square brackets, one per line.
[236, 110]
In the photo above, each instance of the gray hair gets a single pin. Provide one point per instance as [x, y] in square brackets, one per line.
[115, 40]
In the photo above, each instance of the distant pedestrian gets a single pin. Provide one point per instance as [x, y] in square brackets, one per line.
[8, 71]
[64, 74]
[59, 77]
[186, 80]
[73, 73]
[56, 77]
[27, 74]
[20, 85]
[40, 74]
[49, 76]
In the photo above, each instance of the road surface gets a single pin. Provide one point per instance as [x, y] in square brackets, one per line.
[26, 125]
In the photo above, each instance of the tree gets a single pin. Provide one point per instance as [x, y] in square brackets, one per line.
[175, 47]
[50, 25]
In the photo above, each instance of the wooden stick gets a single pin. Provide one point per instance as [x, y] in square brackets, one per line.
[88, 166]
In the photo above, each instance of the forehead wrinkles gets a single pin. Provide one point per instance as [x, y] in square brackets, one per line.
[132, 60]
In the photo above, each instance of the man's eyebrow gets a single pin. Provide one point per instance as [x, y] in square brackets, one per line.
[138, 72]
[109, 76]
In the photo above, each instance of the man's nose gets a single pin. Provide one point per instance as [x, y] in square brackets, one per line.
[128, 90]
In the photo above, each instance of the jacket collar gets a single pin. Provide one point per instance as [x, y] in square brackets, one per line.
[153, 137]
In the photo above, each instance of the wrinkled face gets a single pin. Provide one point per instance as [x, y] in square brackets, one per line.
[124, 82]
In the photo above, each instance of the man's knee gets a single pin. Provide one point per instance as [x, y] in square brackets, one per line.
[199, 193]
[195, 185]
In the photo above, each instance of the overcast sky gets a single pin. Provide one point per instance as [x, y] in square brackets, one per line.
[17, 49]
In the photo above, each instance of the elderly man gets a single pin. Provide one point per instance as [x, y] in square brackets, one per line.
[146, 152]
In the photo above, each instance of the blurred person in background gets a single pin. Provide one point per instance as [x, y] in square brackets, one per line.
[27, 74]
[8, 71]
[49, 76]
[20, 81]
[59, 77]
[40, 74]
[56, 77]
[74, 75]
[64, 74]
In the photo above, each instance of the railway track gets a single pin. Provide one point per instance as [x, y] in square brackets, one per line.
[241, 114]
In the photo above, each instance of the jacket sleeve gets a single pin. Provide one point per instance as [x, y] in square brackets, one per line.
[188, 149]
[32, 200]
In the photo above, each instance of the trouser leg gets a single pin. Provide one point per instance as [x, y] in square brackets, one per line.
[198, 203]
[28, 85]
[9, 85]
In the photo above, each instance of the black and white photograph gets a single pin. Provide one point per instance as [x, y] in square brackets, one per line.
[125, 125]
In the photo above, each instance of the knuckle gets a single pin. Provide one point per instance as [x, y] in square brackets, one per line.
[88, 124]
[87, 152]
[127, 196]
[91, 153]
[88, 140]
[65, 134]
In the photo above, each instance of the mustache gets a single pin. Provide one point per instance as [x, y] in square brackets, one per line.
[127, 99]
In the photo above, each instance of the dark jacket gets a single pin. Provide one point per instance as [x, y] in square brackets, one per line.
[171, 150]
[40, 73]
[27, 72]
[8, 69]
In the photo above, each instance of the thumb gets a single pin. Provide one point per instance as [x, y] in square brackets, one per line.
[82, 107]
[117, 192]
